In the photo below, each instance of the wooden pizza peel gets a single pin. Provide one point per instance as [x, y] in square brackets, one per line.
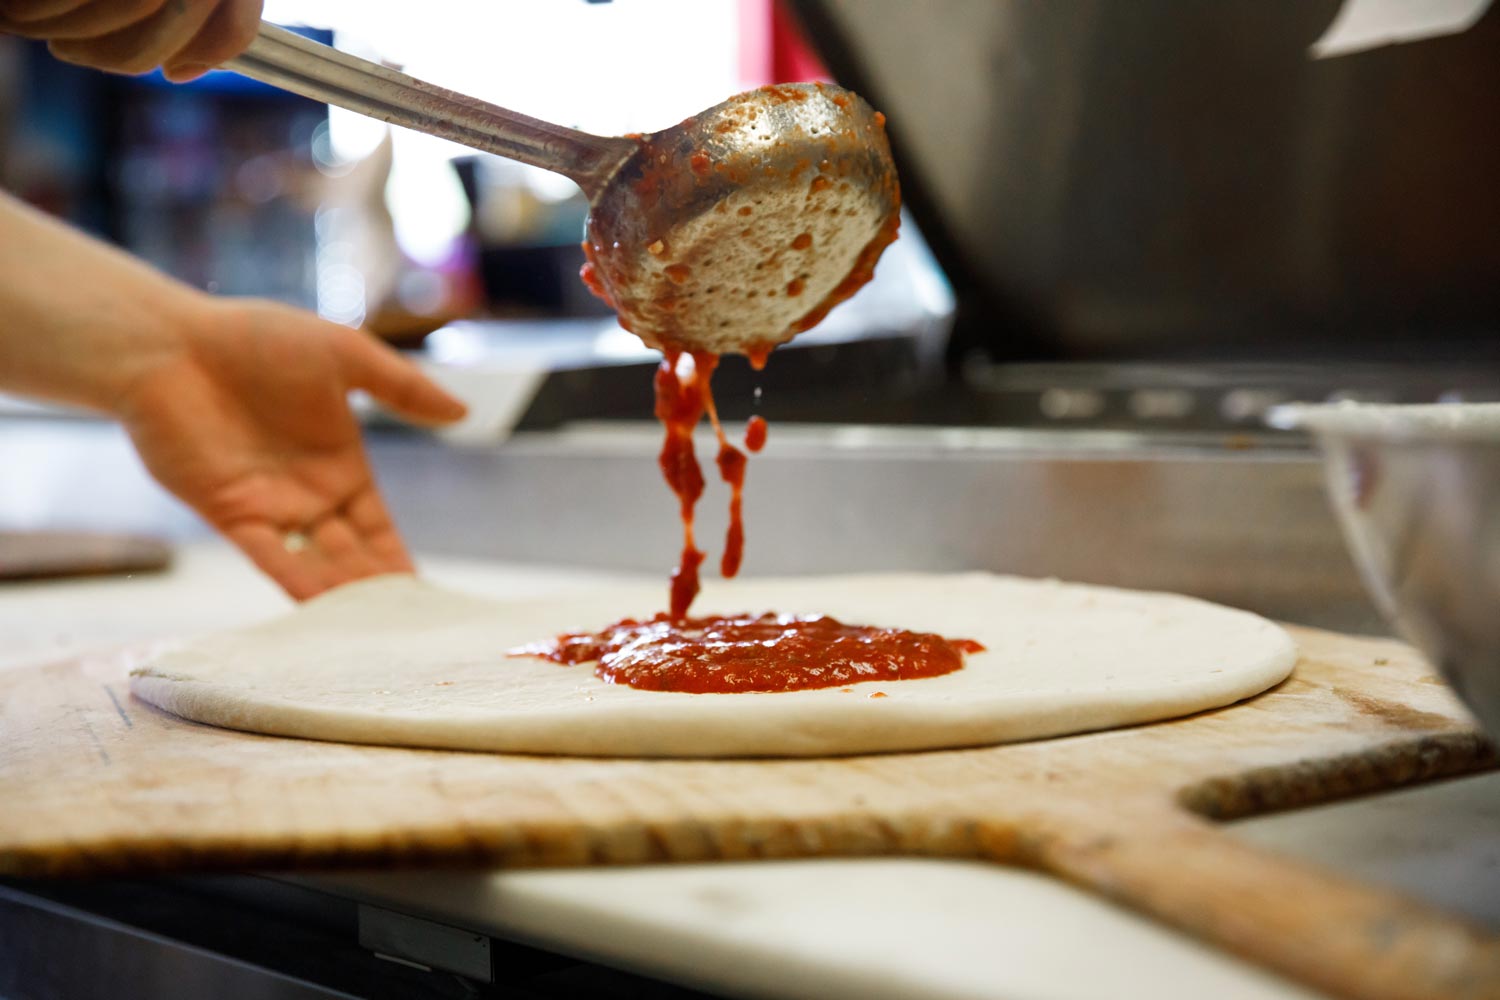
[94, 782]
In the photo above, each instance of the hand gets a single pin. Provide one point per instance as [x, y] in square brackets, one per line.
[247, 420]
[186, 38]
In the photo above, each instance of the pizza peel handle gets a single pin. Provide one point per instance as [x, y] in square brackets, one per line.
[1332, 933]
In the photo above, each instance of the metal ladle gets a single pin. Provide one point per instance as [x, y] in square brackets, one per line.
[730, 232]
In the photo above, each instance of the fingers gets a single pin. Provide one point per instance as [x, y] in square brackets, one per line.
[228, 32]
[300, 576]
[18, 14]
[186, 37]
[89, 19]
[371, 521]
[142, 46]
[330, 553]
[394, 381]
[355, 541]
[333, 539]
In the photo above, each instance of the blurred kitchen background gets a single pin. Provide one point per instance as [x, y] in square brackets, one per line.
[468, 258]
[1132, 228]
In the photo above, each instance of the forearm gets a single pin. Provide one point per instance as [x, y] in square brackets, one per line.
[80, 320]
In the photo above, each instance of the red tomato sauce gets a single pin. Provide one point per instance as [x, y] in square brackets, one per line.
[755, 433]
[682, 396]
[769, 652]
[684, 393]
[743, 653]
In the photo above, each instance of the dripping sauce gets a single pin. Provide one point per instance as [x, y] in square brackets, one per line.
[769, 652]
[682, 396]
[684, 393]
[755, 433]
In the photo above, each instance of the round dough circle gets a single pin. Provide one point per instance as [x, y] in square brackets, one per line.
[394, 660]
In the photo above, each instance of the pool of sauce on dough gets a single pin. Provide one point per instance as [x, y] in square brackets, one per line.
[741, 653]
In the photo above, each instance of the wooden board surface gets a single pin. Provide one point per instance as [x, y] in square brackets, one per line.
[94, 782]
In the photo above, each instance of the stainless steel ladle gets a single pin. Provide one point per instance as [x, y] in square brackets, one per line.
[730, 232]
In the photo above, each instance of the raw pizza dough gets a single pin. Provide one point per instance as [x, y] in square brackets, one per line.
[394, 660]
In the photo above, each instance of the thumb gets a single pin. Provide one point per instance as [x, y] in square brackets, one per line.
[395, 381]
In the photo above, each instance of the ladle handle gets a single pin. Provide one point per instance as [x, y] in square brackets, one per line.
[290, 62]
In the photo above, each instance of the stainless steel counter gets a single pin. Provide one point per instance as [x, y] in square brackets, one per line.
[1230, 520]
